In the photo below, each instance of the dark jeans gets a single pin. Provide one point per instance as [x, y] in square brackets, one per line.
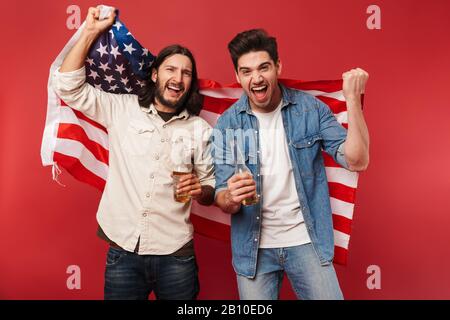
[129, 276]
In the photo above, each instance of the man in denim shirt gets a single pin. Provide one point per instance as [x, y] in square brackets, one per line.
[281, 216]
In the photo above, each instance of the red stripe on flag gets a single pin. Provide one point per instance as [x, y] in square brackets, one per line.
[78, 171]
[335, 105]
[329, 161]
[342, 224]
[211, 84]
[77, 133]
[217, 105]
[340, 255]
[210, 228]
[83, 117]
[342, 192]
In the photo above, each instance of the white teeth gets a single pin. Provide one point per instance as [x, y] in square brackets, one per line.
[259, 88]
[174, 88]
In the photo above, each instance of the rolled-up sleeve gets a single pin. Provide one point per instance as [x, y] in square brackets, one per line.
[72, 88]
[203, 162]
[333, 135]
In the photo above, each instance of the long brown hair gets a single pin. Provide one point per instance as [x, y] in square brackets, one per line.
[193, 101]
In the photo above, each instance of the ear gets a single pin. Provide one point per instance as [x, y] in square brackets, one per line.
[237, 78]
[279, 67]
[154, 75]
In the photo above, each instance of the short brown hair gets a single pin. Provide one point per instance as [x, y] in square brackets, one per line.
[252, 40]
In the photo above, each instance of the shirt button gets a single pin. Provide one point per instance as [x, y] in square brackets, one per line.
[256, 239]
[164, 125]
[147, 194]
[157, 157]
[257, 218]
[309, 142]
[144, 214]
[152, 176]
[162, 140]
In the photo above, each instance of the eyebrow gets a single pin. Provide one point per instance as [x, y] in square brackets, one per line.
[174, 67]
[258, 67]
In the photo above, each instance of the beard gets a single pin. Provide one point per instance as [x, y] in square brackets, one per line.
[159, 95]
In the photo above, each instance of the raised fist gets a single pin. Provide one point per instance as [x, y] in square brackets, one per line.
[354, 83]
[93, 23]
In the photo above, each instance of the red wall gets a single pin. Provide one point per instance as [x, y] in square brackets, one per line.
[402, 215]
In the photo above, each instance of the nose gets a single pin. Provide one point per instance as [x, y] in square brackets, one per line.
[257, 77]
[178, 77]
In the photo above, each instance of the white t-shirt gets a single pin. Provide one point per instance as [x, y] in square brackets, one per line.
[282, 218]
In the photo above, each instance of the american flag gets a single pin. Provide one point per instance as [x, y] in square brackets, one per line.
[117, 63]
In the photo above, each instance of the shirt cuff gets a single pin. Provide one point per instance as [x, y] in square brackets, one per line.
[218, 190]
[340, 156]
[66, 81]
[209, 182]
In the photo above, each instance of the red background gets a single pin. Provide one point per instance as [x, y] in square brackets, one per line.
[402, 215]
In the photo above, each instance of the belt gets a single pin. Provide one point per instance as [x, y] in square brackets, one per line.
[116, 246]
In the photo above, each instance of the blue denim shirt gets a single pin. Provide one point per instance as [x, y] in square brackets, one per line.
[310, 126]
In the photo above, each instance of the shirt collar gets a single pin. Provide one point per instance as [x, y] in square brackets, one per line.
[152, 110]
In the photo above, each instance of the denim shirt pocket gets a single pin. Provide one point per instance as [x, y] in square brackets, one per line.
[308, 152]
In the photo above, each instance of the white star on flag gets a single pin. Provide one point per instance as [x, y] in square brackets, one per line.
[109, 79]
[115, 51]
[129, 48]
[93, 74]
[124, 80]
[118, 25]
[120, 68]
[113, 88]
[145, 52]
[104, 66]
[102, 50]
[90, 61]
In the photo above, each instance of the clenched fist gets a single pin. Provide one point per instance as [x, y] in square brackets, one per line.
[93, 23]
[354, 84]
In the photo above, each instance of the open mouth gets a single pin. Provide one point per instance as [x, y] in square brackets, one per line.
[259, 91]
[174, 90]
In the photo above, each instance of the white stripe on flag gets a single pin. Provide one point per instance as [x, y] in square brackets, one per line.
[77, 150]
[93, 133]
[341, 239]
[338, 95]
[343, 176]
[221, 93]
[342, 117]
[341, 208]
[210, 117]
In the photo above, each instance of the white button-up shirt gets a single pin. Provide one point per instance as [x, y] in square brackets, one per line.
[138, 201]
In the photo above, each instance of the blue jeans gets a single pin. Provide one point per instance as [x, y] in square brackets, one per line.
[129, 276]
[309, 279]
